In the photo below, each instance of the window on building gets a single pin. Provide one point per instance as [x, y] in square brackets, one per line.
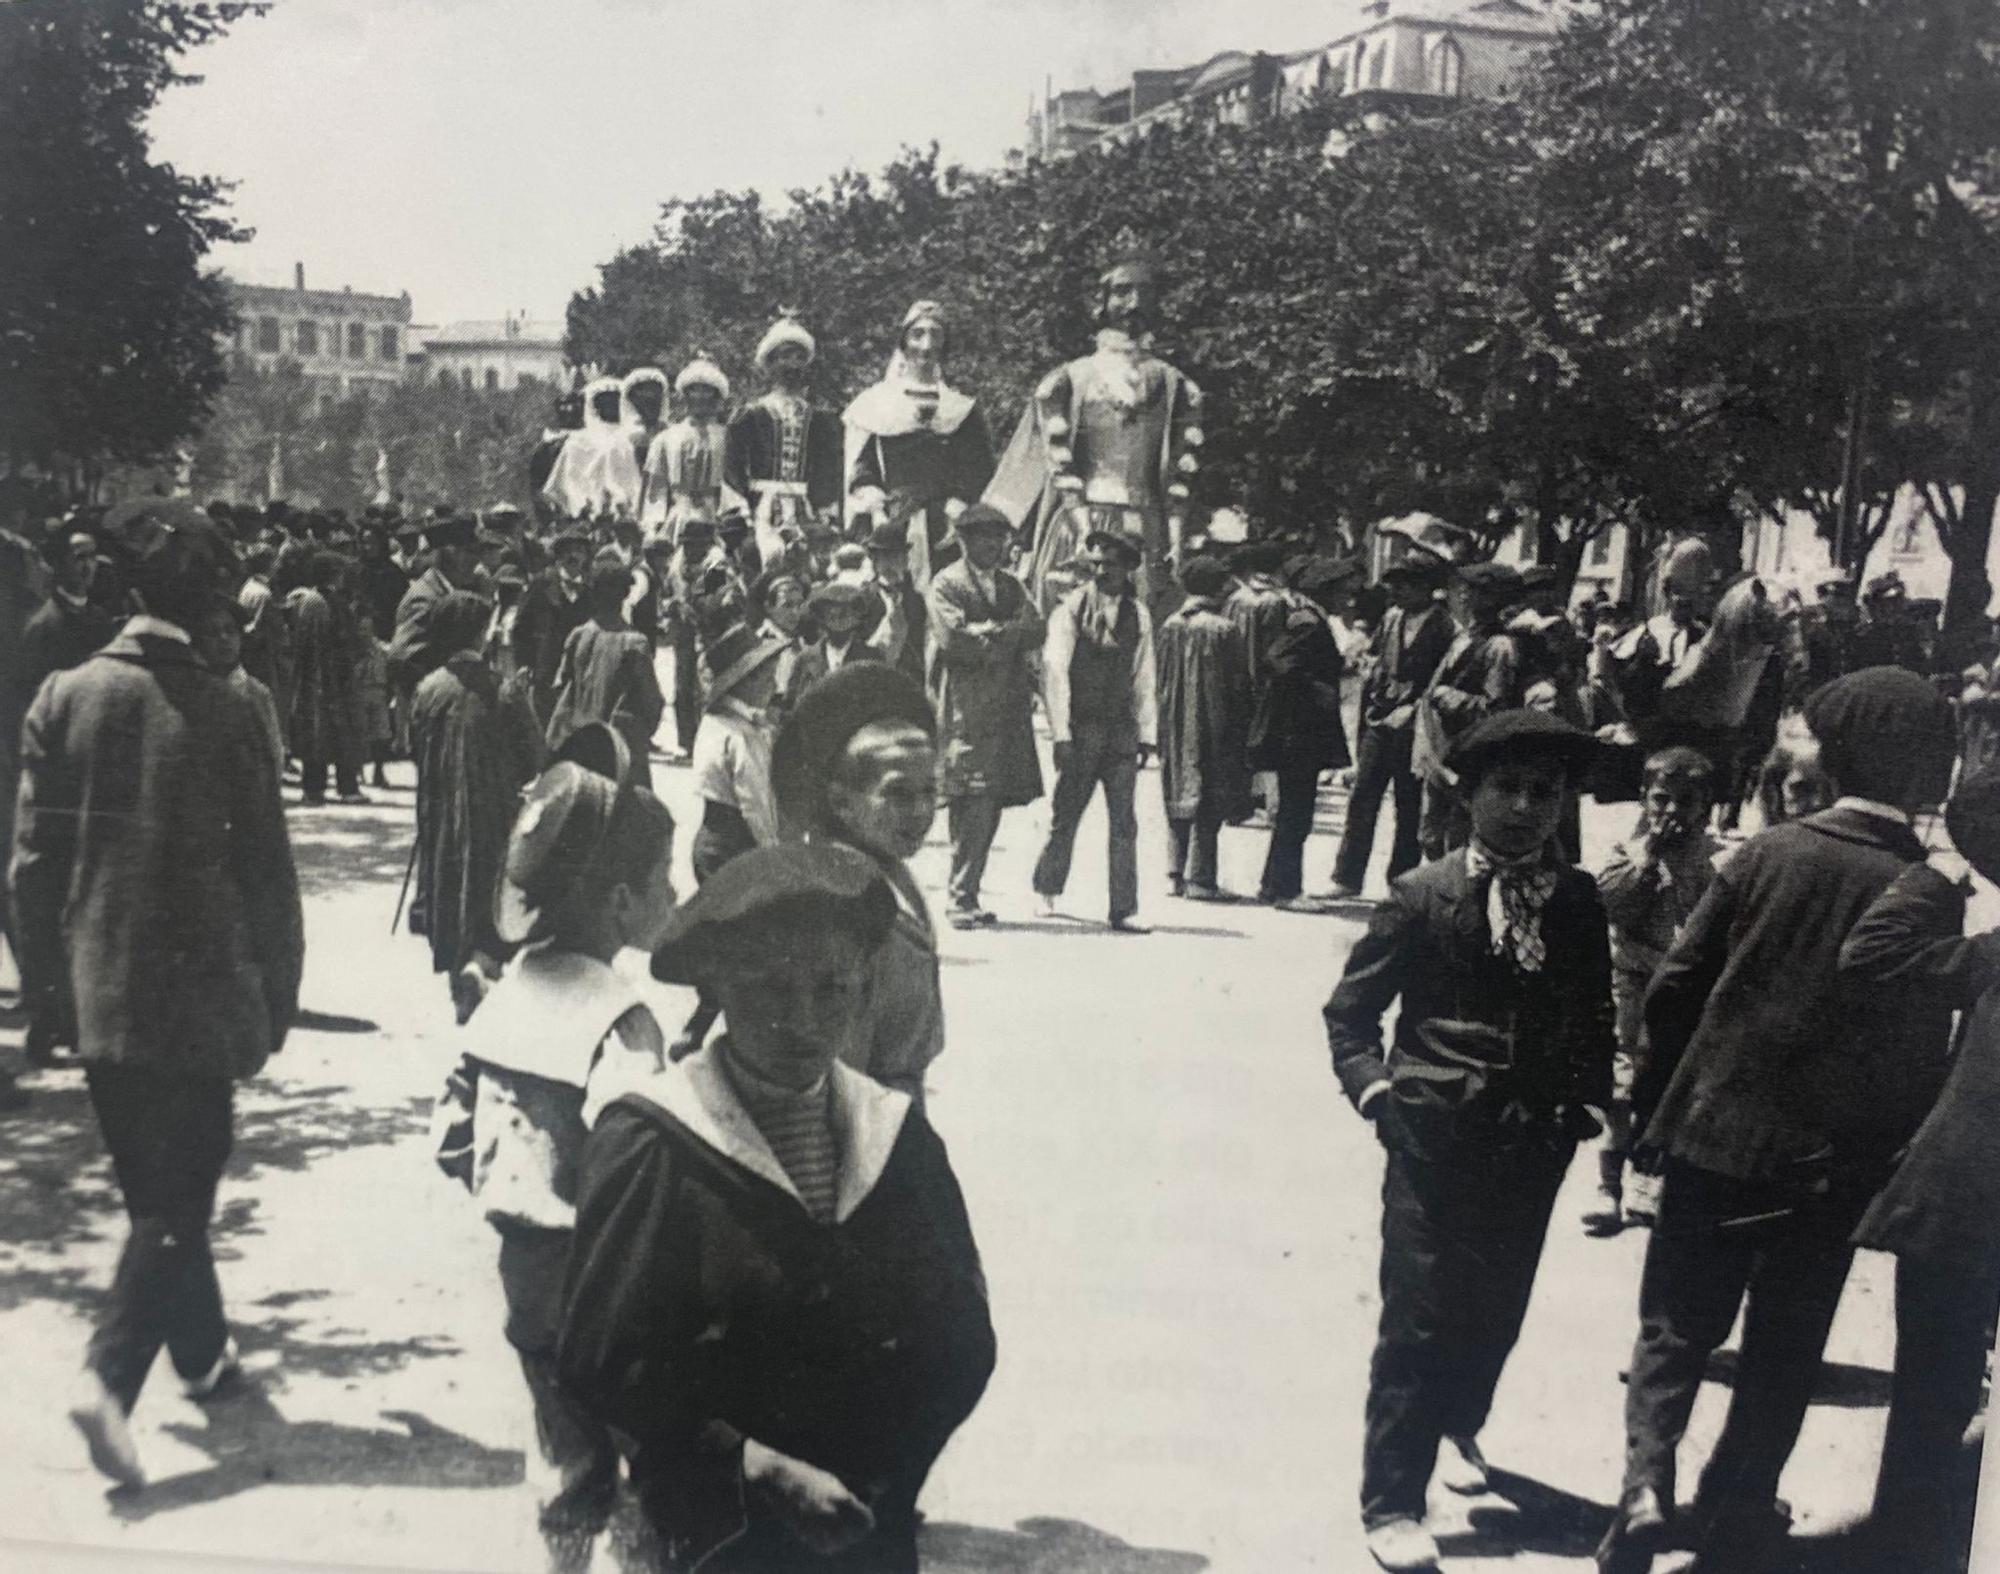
[306, 341]
[465, 377]
[357, 341]
[268, 338]
[389, 345]
[1376, 61]
[444, 374]
[492, 378]
[1447, 68]
[1360, 62]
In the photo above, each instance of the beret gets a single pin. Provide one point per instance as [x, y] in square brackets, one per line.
[1510, 734]
[835, 887]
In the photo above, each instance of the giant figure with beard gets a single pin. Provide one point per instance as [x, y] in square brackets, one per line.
[1108, 442]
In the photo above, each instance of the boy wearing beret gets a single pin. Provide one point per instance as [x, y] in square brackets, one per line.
[1500, 957]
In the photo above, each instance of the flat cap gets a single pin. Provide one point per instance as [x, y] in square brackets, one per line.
[832, 887]
[1514, 734]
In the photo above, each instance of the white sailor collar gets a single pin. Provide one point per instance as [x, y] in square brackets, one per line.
[867, 1119]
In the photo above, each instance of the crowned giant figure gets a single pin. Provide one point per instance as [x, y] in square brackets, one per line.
[1108, 443]
[782, 454]
[915, 439]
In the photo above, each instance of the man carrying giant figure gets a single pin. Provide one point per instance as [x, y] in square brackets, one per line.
[914, 438]
[1108, 443]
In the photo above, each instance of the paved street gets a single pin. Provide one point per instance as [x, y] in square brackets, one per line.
[1177, 1214]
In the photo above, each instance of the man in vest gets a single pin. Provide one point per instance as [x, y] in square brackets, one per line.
[1098, 689]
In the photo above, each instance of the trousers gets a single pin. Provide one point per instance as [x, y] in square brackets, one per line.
[1291, 828]
[1095, 759]
[1461, 1240]
[1944, 1328]
[169, 1137]
[1191, 848]
[973, 822]
[1381, 764]
[1444, 824]
[1718, 1241]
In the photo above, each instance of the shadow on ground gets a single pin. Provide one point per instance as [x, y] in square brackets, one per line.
[1840, 1385]
[252, 1444]
[336, 848]
[1520, 1515]
[1044, 1546]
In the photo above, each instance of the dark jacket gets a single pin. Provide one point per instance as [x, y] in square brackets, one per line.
[1297, 723]
[153, 877]
[1764, 1061]
[1480, 674]
[63, 634]
[416, 652]
[703, 1305]
[982, 686]
[1485, 1056]
[607, 676]
[1203, 667]
[1407, 651]
[1943, 1201]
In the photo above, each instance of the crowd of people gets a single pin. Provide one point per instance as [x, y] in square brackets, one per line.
[736, 1267]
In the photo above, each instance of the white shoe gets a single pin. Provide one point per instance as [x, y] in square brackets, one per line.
[1461, 1468]
[1403, 1546]
[228, 1366]
[96, 1413]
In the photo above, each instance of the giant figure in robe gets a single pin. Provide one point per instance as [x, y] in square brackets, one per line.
[1110, 442]
[914, 439]
[684, 465]
[596, 472]
[782, 453]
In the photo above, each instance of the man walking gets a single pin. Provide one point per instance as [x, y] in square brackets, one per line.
[984, 632]
[1479, 675]
[153, 885]
[1098, 687]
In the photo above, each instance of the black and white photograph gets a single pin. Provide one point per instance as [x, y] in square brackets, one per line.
[999, 786]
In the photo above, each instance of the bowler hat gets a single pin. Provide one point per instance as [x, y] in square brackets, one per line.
[1116, 541]
[453, 530]
[982, 516]
[833, 887]
[839, 595]
[1417, 564]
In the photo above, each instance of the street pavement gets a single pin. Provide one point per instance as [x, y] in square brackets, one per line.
[1176, 1209]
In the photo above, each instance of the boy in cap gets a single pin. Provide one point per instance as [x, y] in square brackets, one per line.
[1416, 632]
[843, 611]
[586, 876]
[1499, 956]
[1204, 728]
[1479, 674]
[980, 672]
[1099, 691]
[606, 672]
[1778, 1093]
[900, 633]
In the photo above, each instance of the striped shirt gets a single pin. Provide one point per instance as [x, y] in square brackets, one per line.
[799, 1128]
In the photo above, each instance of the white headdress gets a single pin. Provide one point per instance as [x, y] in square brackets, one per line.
[786, 330]
[701, 372]
[595, 391]
[643, 374]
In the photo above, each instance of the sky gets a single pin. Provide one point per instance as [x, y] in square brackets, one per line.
[488, 155]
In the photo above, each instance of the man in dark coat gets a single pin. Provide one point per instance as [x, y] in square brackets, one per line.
[382, 584]
[1204, 728]
[154, 893]
[416, 651]
[69, 628]
[1936, 1215]
[1480, 674]
[475, 743]
[1501, 959]
[552, 608]
[607, 673]
[845, 614]
[1296, 730]
[901, 633]
[1416, 632]
[1778, 1093]
[984, 633]
[1100, 692]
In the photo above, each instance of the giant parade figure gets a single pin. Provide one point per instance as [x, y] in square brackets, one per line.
[783, 454]
[914, 439]
[1108, 442]
[595, 472]
[684, 465]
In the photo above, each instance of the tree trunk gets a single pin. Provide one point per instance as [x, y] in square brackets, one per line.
[1966, 599]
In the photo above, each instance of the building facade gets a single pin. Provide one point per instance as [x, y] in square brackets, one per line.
[511, 352]
[1417, 52]
[344, 342]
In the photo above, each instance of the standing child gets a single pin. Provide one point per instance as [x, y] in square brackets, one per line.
[586, 877]
[1499, 955]
[1203, 666]
[1650, 886]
